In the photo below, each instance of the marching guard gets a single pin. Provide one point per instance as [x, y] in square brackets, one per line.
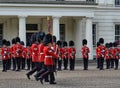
[98, 54]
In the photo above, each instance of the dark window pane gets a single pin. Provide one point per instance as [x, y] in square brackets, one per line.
[31, 27]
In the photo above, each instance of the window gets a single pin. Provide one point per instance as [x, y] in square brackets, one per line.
[60, 0]
[117, 2]
[117, 32]
[90, 0]
[62, 32]
[31, 27]
[94, 31]
[1, 34]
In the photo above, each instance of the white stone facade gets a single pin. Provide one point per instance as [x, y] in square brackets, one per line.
[78, 20]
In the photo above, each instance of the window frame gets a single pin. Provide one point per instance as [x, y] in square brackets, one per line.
[96, 33]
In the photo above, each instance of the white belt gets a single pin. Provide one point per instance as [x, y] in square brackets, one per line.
[41, 53]
[48, 56]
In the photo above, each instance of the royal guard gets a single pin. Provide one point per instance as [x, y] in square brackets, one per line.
[13, 53]
[59, 55]
[102, 53]
[111, 55]
[4, 53]
[48, 61]
[9, 56]
[35, 53]
[18, 53]
[116, 55]
[85, 51]
[98, 54]
[28, 56]
[65, 55]
[23, 60]
[107, 56]
[43, 68]
[72, 55]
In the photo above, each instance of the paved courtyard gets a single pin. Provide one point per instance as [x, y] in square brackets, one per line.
[93, 78]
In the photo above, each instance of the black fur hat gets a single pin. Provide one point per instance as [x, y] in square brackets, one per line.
[40, 36]
[110, 44]
[115, 44]
[59, 43]
[22, 43]
[17, 39]
[101, 40]
[28, 43]
[64, 43]
[107, 45]
[13, 41]
[47, 39]
[98, 44]
[8, 43]
[33, 38]
[54, 38]
[84, 42]
[4, 42]
[71, 43]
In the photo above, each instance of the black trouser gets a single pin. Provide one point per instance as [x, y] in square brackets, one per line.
[49, 71]
[112, 62]
[28, 64]
[14, 63]
[23, 63]
[59, 64]
[4, 62]
[72, 63]
[107, 63]
[116, 63]
[101, 63]
[85, 61]
[65, 63]
[18, 60]
[43, 69]
[36, 68]
[9, 64]
[98, 61]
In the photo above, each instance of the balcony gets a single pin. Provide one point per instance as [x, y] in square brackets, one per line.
[59, 2]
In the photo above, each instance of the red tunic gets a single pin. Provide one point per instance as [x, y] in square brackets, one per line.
[116, 53]
[41, 54]
[98, 52]
[28, 53]
[4, 53]
[49, 54]
[85, 50]
[65, 52]
[18, 50]
[107, 56]
[111, 53]
[34, 49]
[71, 53]
[13, 51]
[102, 50]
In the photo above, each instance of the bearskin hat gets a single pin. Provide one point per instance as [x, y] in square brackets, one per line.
[17, 39]
[8, 43]
[4, 42]
[22, 43]
[115, 44]
[33, 37]
[71, 43]
[40, 36]
[64, 43]
[101, 40]
[13, 41]
[47, 39]
[54, 38]
[59, 43]
[98, 44]
[84, 42]
[107, 45]
[110, 44]
[28, 43]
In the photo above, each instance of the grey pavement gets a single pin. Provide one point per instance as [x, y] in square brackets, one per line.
[93, 78]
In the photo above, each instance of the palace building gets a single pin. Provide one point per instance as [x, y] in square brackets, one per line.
[69, 20]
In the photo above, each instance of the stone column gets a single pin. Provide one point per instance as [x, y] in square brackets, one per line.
[22, 28]
[89, 36]
[56, 28]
